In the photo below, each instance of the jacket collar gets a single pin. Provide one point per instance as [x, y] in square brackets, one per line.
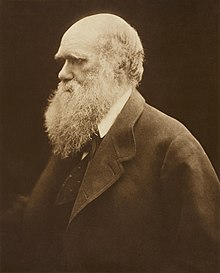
[122, 131]
[109, 119]
[118, 146]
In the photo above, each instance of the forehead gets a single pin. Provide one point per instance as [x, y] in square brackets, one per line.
[75, 50]
[79, 41]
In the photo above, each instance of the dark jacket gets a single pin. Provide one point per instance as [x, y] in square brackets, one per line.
[148, 202]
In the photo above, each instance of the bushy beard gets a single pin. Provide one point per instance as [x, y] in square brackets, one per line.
[75, 110]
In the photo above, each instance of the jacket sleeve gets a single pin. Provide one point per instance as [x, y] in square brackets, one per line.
[190, 198]
[11, 235]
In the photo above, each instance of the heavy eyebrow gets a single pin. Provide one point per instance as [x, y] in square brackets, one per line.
[69, 56]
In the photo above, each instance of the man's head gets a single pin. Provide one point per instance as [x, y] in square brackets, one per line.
[103, 37]
[103, 57]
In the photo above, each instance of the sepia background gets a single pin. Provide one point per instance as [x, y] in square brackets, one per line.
[180, 38]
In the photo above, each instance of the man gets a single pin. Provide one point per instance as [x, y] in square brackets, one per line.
[127, 187]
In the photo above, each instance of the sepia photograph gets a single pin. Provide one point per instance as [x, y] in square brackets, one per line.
[110, 136]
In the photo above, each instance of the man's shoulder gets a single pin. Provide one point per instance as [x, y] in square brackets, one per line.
[149, 124]
[157, 122]
[159, 133]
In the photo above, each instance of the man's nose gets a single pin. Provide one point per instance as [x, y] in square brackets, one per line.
[65, 73]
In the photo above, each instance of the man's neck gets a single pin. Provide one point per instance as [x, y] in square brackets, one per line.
[114, 111]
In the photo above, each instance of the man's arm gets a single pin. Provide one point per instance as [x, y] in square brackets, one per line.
[190, 201]
[11, 235]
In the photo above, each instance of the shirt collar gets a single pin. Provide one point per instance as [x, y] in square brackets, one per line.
[111, 116]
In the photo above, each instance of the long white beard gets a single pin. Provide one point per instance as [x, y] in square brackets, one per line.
[75, 110]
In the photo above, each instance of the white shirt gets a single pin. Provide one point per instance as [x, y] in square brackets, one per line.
[107, 122]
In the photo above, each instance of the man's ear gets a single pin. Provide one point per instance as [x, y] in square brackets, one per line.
[122, 66]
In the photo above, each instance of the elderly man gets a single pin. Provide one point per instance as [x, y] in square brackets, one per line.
[127, 187]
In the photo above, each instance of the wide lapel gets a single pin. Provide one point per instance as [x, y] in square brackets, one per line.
[117, 146]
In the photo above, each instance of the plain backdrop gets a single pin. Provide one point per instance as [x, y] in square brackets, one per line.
[180, 38]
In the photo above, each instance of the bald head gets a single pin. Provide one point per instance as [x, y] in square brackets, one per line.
[109, 38]
[90, 28]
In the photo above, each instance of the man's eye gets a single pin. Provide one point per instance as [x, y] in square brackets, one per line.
[79, 60]
[76, 60]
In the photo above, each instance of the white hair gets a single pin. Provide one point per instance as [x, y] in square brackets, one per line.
[121, 46]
